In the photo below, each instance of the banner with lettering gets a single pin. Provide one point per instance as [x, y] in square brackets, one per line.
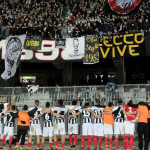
[76, 49]
[32, 43]
[91, 55]
[127, 45]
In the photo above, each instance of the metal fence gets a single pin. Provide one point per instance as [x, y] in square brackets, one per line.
[20, 96]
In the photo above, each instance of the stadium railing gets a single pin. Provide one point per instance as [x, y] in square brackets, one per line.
[20, 96]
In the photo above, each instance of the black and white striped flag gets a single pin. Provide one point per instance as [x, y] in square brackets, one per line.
[32, 88]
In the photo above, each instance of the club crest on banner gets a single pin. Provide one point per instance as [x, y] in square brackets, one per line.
[123, 6]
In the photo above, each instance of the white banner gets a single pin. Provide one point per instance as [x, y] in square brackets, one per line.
[75, 48]
[14, 45]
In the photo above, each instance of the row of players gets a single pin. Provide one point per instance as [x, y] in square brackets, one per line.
[97, 121]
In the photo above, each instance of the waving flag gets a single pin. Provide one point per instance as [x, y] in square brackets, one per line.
[14, 45]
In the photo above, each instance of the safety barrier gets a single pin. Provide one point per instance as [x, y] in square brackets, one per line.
[20, 96]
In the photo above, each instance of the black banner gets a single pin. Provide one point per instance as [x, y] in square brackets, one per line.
[91, 55]
[60, 43]
[122, 45]
[32, 44]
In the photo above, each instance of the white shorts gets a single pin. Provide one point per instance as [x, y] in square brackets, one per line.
[59, 128]
[1, 128]
[108, 129]
[119, 128]
[72, 128]
[48, 131]
[35, 129]
[98, 129]
[87, 129]
[129, 127]
[8, 131]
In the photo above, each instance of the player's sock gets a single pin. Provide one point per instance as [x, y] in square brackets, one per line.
[42, 144]
[22, 146]
[95, 140]
[75, 139]
[29, 144]
[10, 141]
[62, 145]
[17, 143]
[3, 141]
[100, 141]
[110, 143]
[131, 141]
[106, 142]
[50, 145]
[116, 143]
[38, 145]
[149, 144]
[82, 141]
[56, 145]
[126, 141]
[70, 139]
[89, 141]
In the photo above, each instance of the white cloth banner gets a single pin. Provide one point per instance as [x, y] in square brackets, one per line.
[14, 45]
[75, 47]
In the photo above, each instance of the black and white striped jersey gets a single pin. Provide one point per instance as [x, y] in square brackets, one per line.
[2, 113]
[47, 120]
[73, 120]
[118, 114]
[86, 116]
[60, 111]
[39, 111]
[98, 111]
[10, 118]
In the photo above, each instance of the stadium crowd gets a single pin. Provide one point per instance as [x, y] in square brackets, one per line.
[44, 19]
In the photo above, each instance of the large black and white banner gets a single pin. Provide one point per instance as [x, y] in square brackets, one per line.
[14, 45]
[75, 47]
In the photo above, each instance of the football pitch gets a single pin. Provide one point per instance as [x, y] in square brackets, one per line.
[78, 147]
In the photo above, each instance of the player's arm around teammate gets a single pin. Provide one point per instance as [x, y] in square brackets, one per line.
[9, 126]
[108, 125]
[86, 113]
[73, 113]
[35, 127]
[59, 113]
[2, 115]
[98, 127]
[23, 124]
[48, 125]
[129, 125]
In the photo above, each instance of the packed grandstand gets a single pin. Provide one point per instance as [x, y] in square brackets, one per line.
[51, 19]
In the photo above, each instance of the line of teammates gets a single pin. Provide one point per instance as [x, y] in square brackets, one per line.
[96, 121]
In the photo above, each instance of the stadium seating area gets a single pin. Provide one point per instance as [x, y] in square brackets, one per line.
[67, 18]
